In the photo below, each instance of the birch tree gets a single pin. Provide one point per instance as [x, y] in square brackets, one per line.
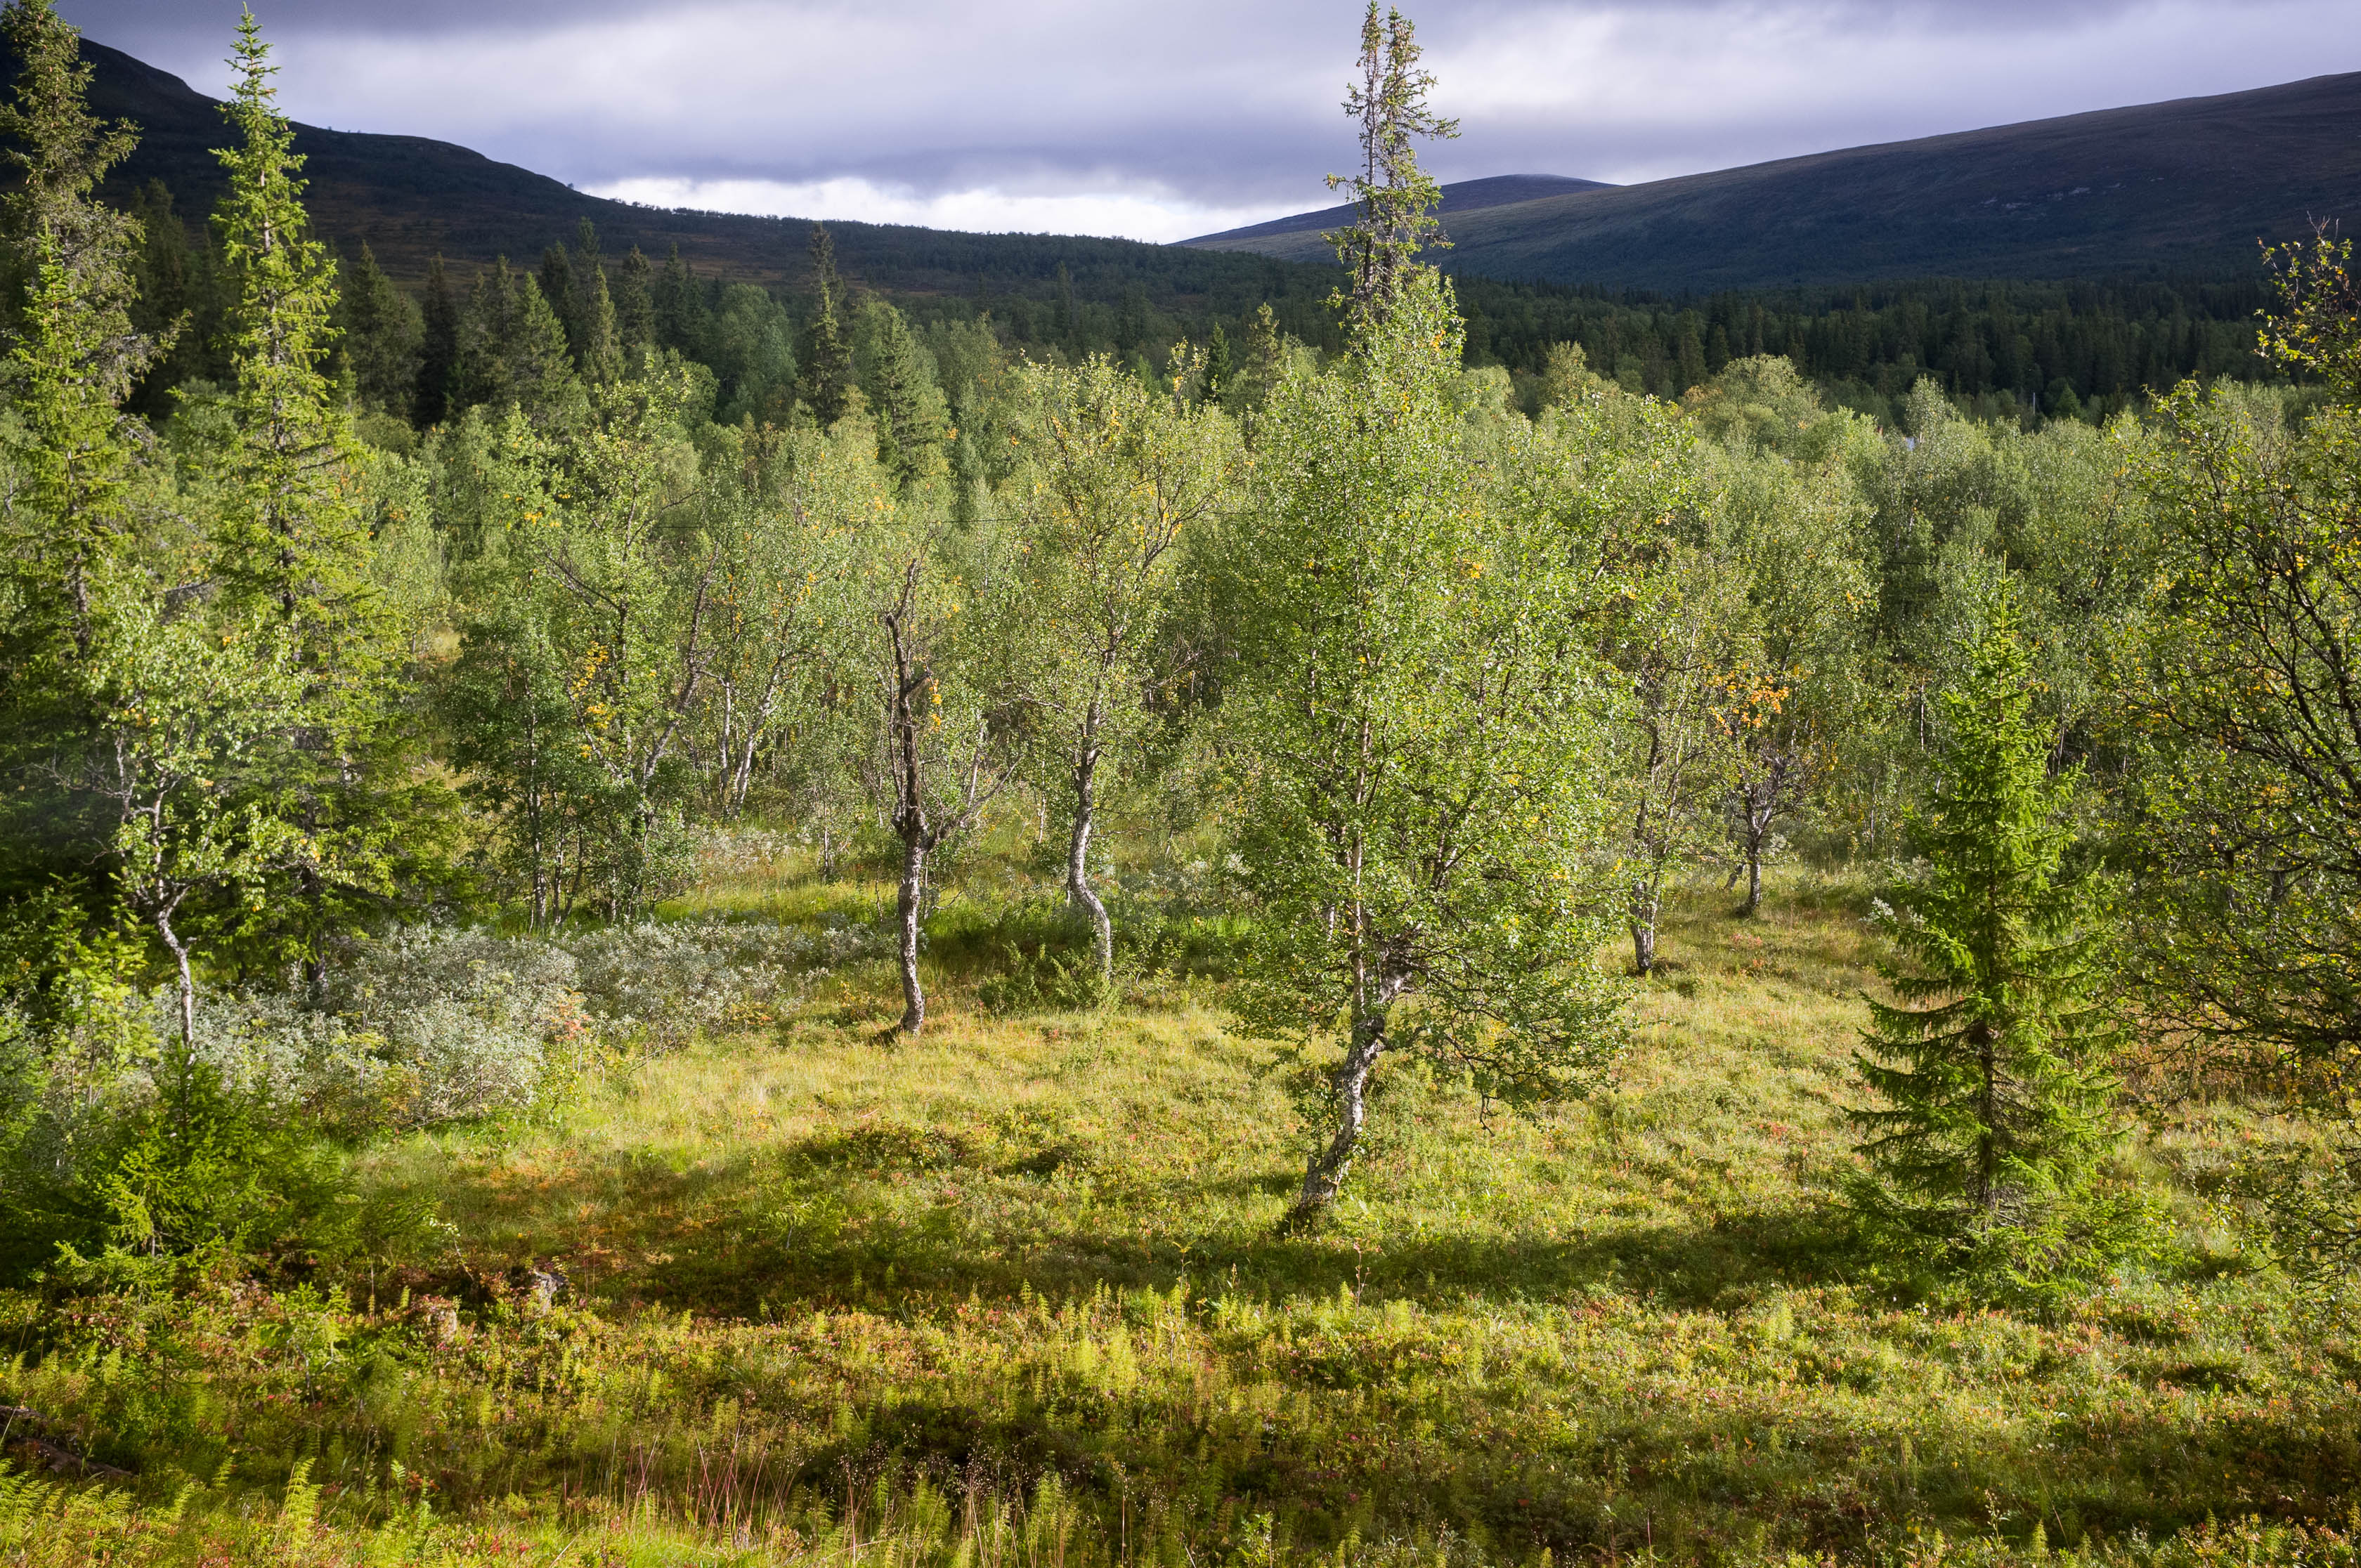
[1421, 749]
[785, 532]
[944, 754]
[1116, 474]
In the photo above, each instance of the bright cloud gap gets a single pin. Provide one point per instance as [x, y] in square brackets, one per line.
[983, 210]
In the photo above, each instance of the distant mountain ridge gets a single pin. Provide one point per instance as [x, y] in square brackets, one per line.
[412, 197]
[1459, 196]
[2182, 187]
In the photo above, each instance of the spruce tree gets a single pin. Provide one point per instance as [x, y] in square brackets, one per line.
[635, 321]
[1396, 198]
[78, 352]
[380, 337]
[65, 525]
[561, 288]
[291, 550]
[826, 352]
[913, 419]
[176, 307]
[61, 152]
[290, 533]
[599, 358]
[593, 333]
[681, 316]
[438, 350]
[1219, 367]
[512, 349]
[1992, 1063]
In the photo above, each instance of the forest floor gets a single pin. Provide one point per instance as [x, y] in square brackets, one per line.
[1013, 1292]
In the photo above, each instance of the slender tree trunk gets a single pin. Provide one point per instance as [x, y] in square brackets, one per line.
[1987, 1117]
[1644, 904]
[1078, 873]
[315, 957]
[914, 877]
[1323, 1178]
[186, 984]
[1755, 806]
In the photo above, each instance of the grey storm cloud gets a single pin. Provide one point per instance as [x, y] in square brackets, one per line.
[1223, 109]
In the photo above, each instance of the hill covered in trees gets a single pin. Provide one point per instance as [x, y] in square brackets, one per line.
[412, 197]
[2090, 346]
[2157, 190]
[1459, 196]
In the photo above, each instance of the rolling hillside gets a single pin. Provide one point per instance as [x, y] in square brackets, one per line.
[2175, 187]
[410, 198]
[1460, 196]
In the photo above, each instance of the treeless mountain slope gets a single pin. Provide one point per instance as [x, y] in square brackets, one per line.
[2179, 187]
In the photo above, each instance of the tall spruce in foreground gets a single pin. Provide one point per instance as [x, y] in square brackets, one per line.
[291, 544]
[290, 533]
[1991, 1061]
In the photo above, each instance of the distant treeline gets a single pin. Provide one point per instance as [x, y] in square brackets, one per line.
[2086, 349]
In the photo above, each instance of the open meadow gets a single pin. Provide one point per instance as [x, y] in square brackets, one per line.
[1012, 1292]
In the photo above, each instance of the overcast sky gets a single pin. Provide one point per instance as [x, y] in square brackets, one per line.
[1108, 116]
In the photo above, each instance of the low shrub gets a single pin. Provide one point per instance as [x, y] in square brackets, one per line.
[432, 1025]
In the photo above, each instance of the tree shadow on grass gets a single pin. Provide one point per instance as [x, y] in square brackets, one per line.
[835, 1220]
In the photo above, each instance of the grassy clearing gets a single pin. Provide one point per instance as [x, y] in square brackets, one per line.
[1011, 1293]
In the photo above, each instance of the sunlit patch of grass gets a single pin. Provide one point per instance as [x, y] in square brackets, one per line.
[1019, 1251]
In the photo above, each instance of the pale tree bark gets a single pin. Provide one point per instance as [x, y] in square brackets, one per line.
[906, 906]
[913, 824]
[1647, 901]
[1324, 1174]
[1759, 803]
[1079, 892]
[921, 819]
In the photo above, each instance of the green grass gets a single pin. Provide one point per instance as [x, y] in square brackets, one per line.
[1014, 1292]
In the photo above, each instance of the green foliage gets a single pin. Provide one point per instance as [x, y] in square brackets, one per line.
[1418, 766]
[766, 653]
[378, 327]
[1991, 1062]
[577, 674]
[1393, 193]
[1790, 523]
[1009, 1250]
[1114, 476]
[897, 377]
[438, 349]
[510, 350]
[53, 215]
